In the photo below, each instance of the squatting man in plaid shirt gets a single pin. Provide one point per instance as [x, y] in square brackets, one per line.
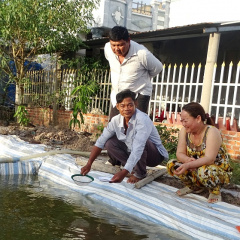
[130, 138]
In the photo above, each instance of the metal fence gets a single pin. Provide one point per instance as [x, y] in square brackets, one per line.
[225, 95]
[177, 86]
[44, 88]
[172, 88]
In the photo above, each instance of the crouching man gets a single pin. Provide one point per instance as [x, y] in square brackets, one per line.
[131, 139]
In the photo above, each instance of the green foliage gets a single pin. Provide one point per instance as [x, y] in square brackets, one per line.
[83, 93]
[100, 128]
[87, 86]
[169, 139]
[22, 116]
[29, 27]
[45, 25]
[86, 63]
[236, 172]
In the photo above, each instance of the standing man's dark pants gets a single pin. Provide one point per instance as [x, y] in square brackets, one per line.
[142, 105]
[117, 151]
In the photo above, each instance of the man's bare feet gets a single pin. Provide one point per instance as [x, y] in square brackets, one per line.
[133, 179]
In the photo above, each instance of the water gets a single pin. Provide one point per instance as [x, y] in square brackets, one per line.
[35, 208]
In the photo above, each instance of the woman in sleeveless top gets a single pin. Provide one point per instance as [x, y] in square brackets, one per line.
[202, 159]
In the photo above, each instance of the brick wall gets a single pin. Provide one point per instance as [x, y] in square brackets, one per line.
[232, 141]
[39, 116]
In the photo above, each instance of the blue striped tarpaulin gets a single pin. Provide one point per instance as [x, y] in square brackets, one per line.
[155, 202]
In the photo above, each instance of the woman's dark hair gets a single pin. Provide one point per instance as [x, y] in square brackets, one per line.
[118, 33]
[194, 109]
[125, 94]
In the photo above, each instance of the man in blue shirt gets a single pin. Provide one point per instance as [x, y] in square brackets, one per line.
[130, 138]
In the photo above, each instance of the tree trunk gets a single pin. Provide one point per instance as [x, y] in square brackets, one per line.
[56, 91]
[19, 95]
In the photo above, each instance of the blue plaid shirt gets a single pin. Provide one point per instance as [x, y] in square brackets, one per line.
[140, 129]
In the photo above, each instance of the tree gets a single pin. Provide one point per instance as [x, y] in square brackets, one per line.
[30, 27]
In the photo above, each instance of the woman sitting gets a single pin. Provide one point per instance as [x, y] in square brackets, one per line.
[202, 159]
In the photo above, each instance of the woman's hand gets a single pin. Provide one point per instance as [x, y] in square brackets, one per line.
[182, 169]
[190, 159]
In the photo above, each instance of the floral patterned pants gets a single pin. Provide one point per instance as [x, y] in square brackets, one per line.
[209, 176]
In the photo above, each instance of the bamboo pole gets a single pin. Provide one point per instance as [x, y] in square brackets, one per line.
[150, 178]
[5, 159]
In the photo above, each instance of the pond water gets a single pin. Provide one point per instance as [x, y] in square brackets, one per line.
[35, 208]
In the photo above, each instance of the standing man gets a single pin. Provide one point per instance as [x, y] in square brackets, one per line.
[132, 67]
[130, 138]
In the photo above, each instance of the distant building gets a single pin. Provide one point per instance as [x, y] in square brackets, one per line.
[135, 16]
[160, 14]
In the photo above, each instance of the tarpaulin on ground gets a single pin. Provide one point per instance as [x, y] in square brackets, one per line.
[155, 202]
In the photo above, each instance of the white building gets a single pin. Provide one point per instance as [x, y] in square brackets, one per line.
[148, 15]
[136, 16]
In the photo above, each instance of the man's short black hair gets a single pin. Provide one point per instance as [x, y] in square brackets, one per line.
[125, 94]
[118, 33]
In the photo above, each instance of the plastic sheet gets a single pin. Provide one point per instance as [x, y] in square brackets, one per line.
[155, 202]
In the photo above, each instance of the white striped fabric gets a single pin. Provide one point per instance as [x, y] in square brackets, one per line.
[20, 168]
[12, 146]
[157, 203]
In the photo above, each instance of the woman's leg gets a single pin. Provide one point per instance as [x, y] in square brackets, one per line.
[213, 177]
[189, 178]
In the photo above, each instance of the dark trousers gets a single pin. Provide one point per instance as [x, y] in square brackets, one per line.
[117, 151]
[142, 105]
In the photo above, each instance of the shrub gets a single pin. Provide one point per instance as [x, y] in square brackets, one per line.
[236, 172]
[22, 115]
[169, 139]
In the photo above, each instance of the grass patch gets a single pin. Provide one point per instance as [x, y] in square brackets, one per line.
[236, 172]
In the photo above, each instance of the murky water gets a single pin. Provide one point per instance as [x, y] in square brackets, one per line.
[33, 208]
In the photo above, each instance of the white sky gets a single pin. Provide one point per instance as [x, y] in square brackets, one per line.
[184, 12]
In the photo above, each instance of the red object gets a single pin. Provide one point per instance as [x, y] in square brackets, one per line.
[227, 125]
[159, 118]
[238, 228]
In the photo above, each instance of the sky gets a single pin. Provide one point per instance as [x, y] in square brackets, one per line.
[184, 12]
